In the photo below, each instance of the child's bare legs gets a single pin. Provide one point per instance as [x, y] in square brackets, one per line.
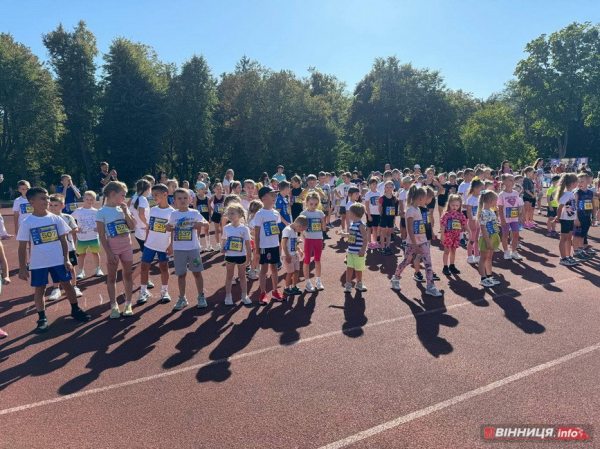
[446, 254]
[111, 281]
[318, 268]
[452, 255]
[243, 280]
[514, 240]
[343, 221]
[38, 299]
[306, 271]
[164, 272]
[217, 233]
[143, 269]
[349, 275]
[229, 278]
[127, 280]
[181, 283]
[485, 265]
[81, 260]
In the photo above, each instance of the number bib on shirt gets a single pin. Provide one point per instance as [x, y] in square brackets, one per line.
[352, 237]
[453, 225]
[234, 244]
[324, 201]
[270, 228]
[296, 199]
[426, 217]
[293, 244]
[418, 227]
[585, 205]
[218, 208]
[158, 224]
[26, 208]
[374, 201]
[44, 234]
[492, 227]
[204, 208]
[512, 212]
[71, 207]
[314, 225]
[183, 235]
[474, 210]
[391, 211]
[117, 227]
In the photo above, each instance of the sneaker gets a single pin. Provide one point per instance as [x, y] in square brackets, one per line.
[549, 234]
[347, 287]
[277, 296]
[228, 300]
[360, 287]
[115, 313]
[234, 281]
[264, 299]
[418, 276]
[564, 262]
[516, 256]
[78, 293]
[581, 256]
[165, 297]
[436, 277]
[309, 287]
[149, 284]
[144, 296]
[3, 334]
[288, 291]
[210, 249]
[202, 301]
[432, 291]
[446, 270]
[486, 283]
[180, 304]
[319, 285]
[471, 259]
[54, 295]
[589, 249]
[80, 275]
[297, 290]
[80, 315]
[454, 270]
[507, 255]
[493, 280]
[98, 272]
[253, 275]
[42, 325]
[246, 300]
[218, 248]
[128, 310]
[573, 261]
[395, 283]
[476, 259]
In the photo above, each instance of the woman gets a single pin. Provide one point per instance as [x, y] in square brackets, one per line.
[162, 178]
[263, 180]
[539, 185]
[505, 168]
[227, 180]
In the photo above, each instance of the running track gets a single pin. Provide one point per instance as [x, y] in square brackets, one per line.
[379, 369]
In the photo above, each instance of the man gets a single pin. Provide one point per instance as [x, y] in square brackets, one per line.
[388, 167]
[417, 170]
[104, 177]
[279, 176]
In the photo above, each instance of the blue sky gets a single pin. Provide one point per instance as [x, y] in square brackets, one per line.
[475, 44]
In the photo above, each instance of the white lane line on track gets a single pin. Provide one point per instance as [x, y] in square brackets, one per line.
[457, 399]
[255, 352]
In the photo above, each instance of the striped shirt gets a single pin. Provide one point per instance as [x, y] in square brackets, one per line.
[355, 240]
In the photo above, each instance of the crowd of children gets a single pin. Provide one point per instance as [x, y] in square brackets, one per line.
[260, 228]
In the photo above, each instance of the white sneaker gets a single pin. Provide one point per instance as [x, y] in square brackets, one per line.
[228, 300]
[486, 283]
[218, 248]
[253, 275]
[98, 272]
[494, 281]
[181, 303]
[507, 255]
[210, 248]
[476, 259]
[360, 287]
[320, 285]
[516, 256]
[395, 283]
[347, 287]
[143, 297]
[246, 300]
[80, 275]
[471, 259]
[432, 291]
[54, 295]
[309, 287]
[78, 293]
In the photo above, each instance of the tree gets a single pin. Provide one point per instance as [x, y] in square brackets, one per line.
[72, 58]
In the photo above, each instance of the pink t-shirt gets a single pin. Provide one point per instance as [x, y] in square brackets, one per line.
[511, 203]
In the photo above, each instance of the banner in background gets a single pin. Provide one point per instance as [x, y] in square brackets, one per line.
[570, 161]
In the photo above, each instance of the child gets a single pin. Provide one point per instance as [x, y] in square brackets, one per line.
[341, 192]
[388, 210]
[282, 205]
[140, 209]
[253, 208]
[191, 194]
[292, 254]
[471, 213]
[357, 245]
[236, 246]
[183, 225]
[4, 279]
[529, 196]
[249, 194]
[489, 240]
[353, 197]
[417, 244]
[114, 223]
[463, 189]
[371, 202]
[509, 210]
[402, 206]
[266, 237]
[296, 201]
[203, 208]
[552, 207]
[324, 186]
[426, 213]
[157, 243]
[87, 238]
[57, 205]
[46, 234]
[70, 192]
[216, 206]
[172, 184]
[313, 241]
[585, 212]
[21, 207]
[567, 214]
[452, 223]
[443, 194]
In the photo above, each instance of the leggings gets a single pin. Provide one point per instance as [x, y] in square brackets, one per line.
[409, 256]
[473, 246]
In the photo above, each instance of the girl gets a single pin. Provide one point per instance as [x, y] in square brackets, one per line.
[452, 223]
[509, 210]
[229, 200]
[432, 182]
[226, 183]
[443, 194]
[140, 210]
[472, 204]
[236, 246]
[529, 196]
[539, 185]
[114, 223]
[352, 197]
[489, 241]
[388, 210]
[416, 245]
[313, 241]
[402, 206]
[264, 180]
[505, 168]
[172, 185]
[5, 279]
[193, 201]
[253, 208]
[216, 207]
[202, 205]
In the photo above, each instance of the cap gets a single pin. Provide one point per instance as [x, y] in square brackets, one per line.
[200, 185]
[265, 191]
[417, 166]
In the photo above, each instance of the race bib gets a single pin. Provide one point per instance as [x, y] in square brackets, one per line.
[324, 201]
[453, 225]
[585, 205]
[118, 227]
[183, 235]
[314, 225]
[234, 244]
[44, 234]
[218, 208]
[204, 208]
[512, 212]
[391, 211]
[71, 207]
[474, 210]
[426, 217]
[352, 238]
[293, 244]
[26, 208]
[492, 227]
[374, 201]
[418, 227]
[158, 224]
[296, 199]
[270, 228]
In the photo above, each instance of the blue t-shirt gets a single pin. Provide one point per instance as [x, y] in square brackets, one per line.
[70, 199]
[283, 206]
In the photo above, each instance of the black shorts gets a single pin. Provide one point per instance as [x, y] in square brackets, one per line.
[530, 200]
[386, 221]
[582, 231]
[141, 243]
[465, 214]
[235, 260]
[431, 204]
[428, 232]
[442, 200]
[216, 218]
[402, 222]
[206, 216]
[552, 213]
[269, 256]
[566, 226]
[374, 222]
[342, 210]
[73, 258]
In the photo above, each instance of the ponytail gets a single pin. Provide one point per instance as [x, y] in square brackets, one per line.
[565, 180]
[415, 194]
[140, 187]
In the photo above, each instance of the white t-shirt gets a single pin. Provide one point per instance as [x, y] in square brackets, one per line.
[44, 234]
[292, 240]
[381, 188]
[511, 203]
[86, 221]
[473, 201]
[569, 212]
[462, 190]
[185, 237]
[315, 224]
[22, 206]
[266, 220]
[236, 239]
[158, 237]
[372, 201]
[402, 194]
[70, 221]
[342, 190]
[140, 227]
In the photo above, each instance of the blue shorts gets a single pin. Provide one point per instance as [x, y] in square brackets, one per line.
[39, 276]
[148, 255]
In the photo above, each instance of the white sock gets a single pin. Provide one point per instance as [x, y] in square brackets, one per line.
[164, 288]
[143, 288]
[318, 279]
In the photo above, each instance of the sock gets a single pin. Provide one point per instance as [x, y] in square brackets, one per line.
[318, 279]
[74, 307]
[42, 314]
[244, 294]
[164, 288]
[143, 288]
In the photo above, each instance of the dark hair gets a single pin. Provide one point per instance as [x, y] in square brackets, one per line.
[283, 185]
[34, 191]
[160, 188]
[140, 187]
[103, 163]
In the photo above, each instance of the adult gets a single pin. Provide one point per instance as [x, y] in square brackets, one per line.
[228, 179]
[505, 168]
[388, 167]
[104, 177]
[539, 185]
[417, 170]
[280, 176]
[263, 180]
[162, 178]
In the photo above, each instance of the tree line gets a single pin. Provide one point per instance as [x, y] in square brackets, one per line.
[142, 114]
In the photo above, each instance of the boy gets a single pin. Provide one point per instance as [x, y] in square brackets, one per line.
[282, 205]
[21, 207]
[183, 224]
[203, 208]
[70, 192]
[311, 186]
[357, 245]
[387, 176]
[371, 203]
[158, 242]
[172, 184]
[341, 192]
[266, 237]
[296, 201]
[88, 235]
[552, 207]
[250, 193]
[293, 254]
[46, 234]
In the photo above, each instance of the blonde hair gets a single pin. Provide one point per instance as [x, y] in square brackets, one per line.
[89, 193]
[236, 207]
[231, 198]
[253, 208]
[114, 187]
[452, 198]
[312, 196]
[415, 194]
[565, 181]
[484, 197]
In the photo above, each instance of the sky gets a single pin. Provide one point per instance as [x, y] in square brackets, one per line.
[476, 45]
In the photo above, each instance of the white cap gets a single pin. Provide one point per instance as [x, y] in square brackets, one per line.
[417, 166]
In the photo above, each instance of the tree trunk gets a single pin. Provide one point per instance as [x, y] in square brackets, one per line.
[87, 163]
[563, 141]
